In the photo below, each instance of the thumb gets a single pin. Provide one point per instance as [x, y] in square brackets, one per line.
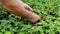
[27, 7]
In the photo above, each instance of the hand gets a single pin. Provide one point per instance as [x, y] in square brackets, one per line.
[19, 8]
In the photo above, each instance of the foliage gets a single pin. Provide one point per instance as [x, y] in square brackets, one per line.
[48, 10]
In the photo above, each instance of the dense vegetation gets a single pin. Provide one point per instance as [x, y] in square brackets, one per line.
[48, 10]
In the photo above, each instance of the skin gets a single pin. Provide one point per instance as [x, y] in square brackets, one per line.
[19, 8]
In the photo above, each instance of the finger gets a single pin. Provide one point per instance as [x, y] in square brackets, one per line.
[12, 10]
[7, 7]
[27, 7]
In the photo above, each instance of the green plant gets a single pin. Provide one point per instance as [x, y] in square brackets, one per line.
[48, 10]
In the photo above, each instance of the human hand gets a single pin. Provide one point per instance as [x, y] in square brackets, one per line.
[19, 8]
